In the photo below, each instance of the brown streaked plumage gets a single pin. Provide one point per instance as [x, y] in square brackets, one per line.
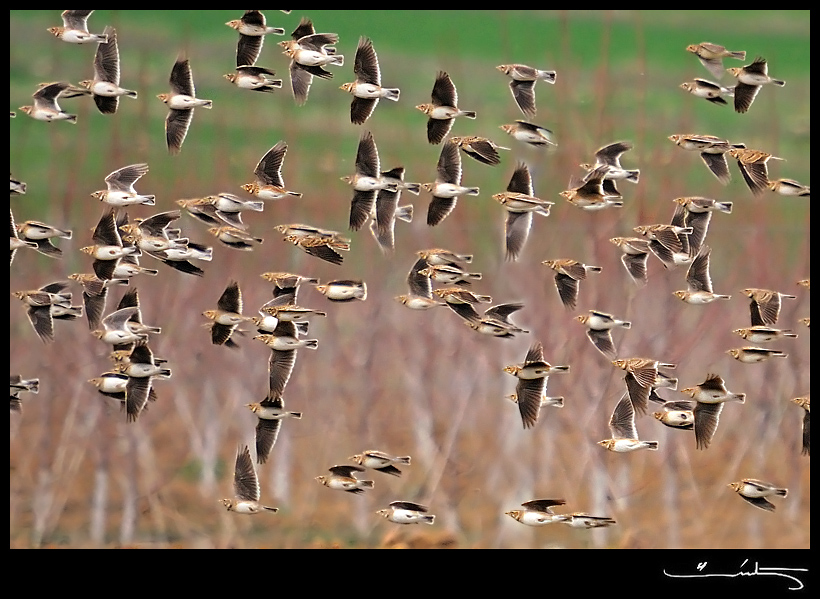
[752, 165]
[75, 28]
[520, 203]
[269, 184]
[805, 403]
[380, 460]
[765, 305]
[531, 388]
[105, 86]
[710, 396]
[624, 435]
[712, 151]
[522, 84]
[568, 273]
[711, 56]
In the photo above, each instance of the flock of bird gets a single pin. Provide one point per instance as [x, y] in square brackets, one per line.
[438, 277]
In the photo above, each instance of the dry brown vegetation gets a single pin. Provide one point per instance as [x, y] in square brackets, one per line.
[413, 383]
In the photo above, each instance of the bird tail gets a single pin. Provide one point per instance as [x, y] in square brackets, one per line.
[392, 94]
[428, 519]
[781, 492]
[271, 509]
[779, 82]
[651, 445]
[472, 191]
[338, 59]
[405, 213]
[149, 200]
[131, 93]
[724, 207]
[633, 175]
[414, 188]
[367, 484]
[470, 114]
[741, 397]
[626, 325]
[741, 55]
[311, 343]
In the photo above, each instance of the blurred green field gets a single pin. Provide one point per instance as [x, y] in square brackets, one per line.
[415, 383]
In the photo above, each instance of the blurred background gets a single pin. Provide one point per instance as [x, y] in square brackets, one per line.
[385, 377]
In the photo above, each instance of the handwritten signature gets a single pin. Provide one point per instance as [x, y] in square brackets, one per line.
[757, 571]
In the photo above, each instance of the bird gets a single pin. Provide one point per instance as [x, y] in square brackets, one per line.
[45, 107]
[179, 258]
[41, 234]
[538, 512]
[181, 101]
[269, 412]
[205, 211]
[635, 251]
[38, 306]
[708, 90]
[481, 149]
[805, 403]
[152, 234]
[622, 427]
[756, 491]
[763, 334]
[532, 377]
[790, 187]
[442, 110]
[696, 212]
[246, 487]
[449, 274]
[447, 186]
[568, 273]
[16, 242]
[529, 133]
[711, 56]
[230, 203]
[610, 156]
[268, 184]
[366, 181]
[227, 315]
[105, 86]
[753, 355]
[665, 240]
[287, 284]
[387, 208]
[367, 88]
[120, 187]
[380, 460]
[420, 289]
[235, 238]
[407, 512]
[750, 78]
[320, 246]
[677, 414]
[343, 478]
[436, 256]
[641, 377]
[765, 305]
[115, 330]
[254, 78]
[141, 368]
[712, 151]
[495, 321]
[289, 312]
[699, 290]
[309, 52]
[599, 330]
[589, 193]
[75, 28]
[520, 202]
[108, 247]
[709, 396]
[753, 167]
[252, 29]
[343, 290]
[95, 295]
[461, 300]
[283, 343]
[19, 385]
[522, 84]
